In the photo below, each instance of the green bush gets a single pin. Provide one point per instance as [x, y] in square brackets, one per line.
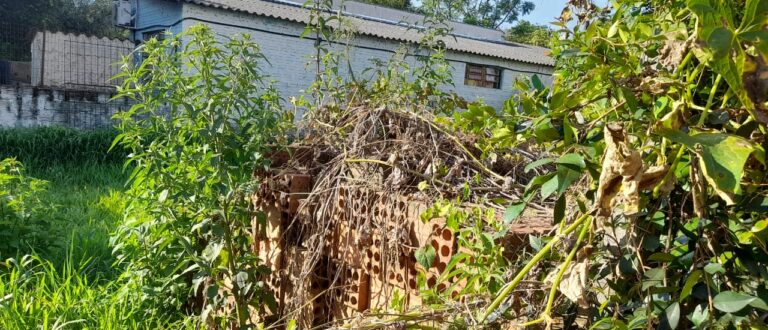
[43, 147]
[199, 128]
[19, 204]
[656, 132]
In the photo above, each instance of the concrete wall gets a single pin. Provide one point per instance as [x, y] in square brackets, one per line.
[25, 106]
[76, 61]
[289, 55]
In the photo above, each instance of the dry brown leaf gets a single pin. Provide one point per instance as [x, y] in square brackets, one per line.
[574, 280]
[672, 53]
[623, 170]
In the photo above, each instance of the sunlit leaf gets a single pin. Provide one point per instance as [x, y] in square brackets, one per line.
[425, 256]
[721, 157]
[732, 302]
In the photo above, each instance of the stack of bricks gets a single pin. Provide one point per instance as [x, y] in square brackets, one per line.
[279, 200]
[372, 241]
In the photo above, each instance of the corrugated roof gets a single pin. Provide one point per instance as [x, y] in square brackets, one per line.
[387, 29]
[394, 15]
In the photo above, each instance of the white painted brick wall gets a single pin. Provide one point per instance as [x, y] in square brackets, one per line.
[27, 106]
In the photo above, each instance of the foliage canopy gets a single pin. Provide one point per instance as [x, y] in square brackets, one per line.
[655, 124]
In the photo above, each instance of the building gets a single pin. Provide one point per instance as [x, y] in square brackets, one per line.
[484, 65]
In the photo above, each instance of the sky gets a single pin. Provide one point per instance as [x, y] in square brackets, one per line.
[546, 10]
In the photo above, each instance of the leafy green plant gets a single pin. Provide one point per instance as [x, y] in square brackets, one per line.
[479, 266]
[20, 202]
[199, 128]
[333, 35]
[415, 76]
[655, 130]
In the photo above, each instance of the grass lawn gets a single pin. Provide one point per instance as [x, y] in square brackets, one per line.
[65, 277]
[86, 204]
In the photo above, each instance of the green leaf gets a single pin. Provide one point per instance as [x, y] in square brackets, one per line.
[699, 316]
[535, 242]
[720, 41]
[759, 304]
[672, 315]
[569, 132]
[609, 323]
[291, 325]
[654, 278]
[566, 175]
[640, 321]
[549, 187]
[572, 159]
[721, 157]
[537, 163]
[713, 268]
[613, 29]
[513, 211]
[537, 83]
[163, 196]
[559, 213]
[754, 9]
[425, 256]
[732, 302]
[700, 7]
[692, 280]
[659, 106]
[759, 226]
[544, 130]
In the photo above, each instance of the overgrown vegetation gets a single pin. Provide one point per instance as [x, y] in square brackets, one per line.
[19, 204]
[57, 269]
[93, 17]
[654, 127]
[649, 147]
[49, 147]
[525, 32]
[199, 129]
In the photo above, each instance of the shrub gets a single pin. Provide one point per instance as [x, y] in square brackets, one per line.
[19, 205]
[200, 126]
[655, 126]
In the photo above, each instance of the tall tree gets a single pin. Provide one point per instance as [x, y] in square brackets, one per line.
[488, 13]
[397, 4]
[529, 33]
[93, 17]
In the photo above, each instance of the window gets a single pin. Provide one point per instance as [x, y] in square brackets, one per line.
[159, 34]
[482, 76]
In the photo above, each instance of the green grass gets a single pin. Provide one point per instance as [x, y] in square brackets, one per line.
[87, 202]
[36, 294]
[45, 147]
[69, 279]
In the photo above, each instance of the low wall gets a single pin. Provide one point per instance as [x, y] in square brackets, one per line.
[77, 62]
[26, 106]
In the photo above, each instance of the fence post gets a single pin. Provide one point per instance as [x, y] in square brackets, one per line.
[42, 60]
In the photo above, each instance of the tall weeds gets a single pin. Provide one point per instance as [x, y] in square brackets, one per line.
[49, 146]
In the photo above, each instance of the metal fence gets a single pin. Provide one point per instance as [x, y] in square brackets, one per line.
[59, 59]
[76, 62]
[57, 78]
[15, 42]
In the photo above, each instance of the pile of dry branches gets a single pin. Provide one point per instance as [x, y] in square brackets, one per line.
[374, 170]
